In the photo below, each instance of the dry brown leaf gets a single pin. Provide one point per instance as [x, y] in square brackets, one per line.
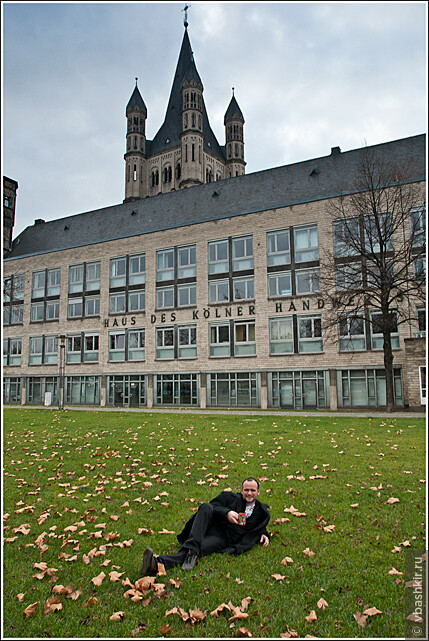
[289, 634]
[52, 605]
[219, 609]
[164, 531]
[60, 589]
[278, 577]
[287, 560]
[145, 583]
[394, 571]
[243, 632]
[144, 530]
[90, 602]
[74, 595]
[392, 500]
[164, 629]
[360, 619]
[115, 576]
[21, 596]
[176, 583]
[197, 615]
[308, 552]
[311, 617]
[245, 603]
[31, 609]
[98, 580]
[180, 611]
[372, 612]
[117, 616]
[321, 604]
[329, 528]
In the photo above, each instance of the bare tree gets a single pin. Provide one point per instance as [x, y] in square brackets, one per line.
[374, 275]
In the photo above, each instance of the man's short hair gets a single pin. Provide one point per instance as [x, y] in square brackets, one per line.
[251, 478]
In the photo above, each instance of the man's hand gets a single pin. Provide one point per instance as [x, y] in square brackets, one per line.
[232, 517]
[264, 540]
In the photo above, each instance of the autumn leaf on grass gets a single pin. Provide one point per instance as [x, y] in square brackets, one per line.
[311, 617]
[237, 613]
[278, 577]
[329, 528]
[176, 583]
[74, 595]
[286, 560]
[115, 576]
[372, 612]
[180, 611]
[360, 619]
[31, 609]
[21, 596]
[164, 629]
[392, 500]
[52, 604]
[98, 580]
[144, 530]
[117, 616]
[394, 571]
[243, 632]
[321, 604]
[197, 615]
[308, 552]
[22, 529]
[60, 589]
[126, 582]
[289, 634]
[161, 570]
[219, 609]
[90, 602]
[164, 531]
[245, 603]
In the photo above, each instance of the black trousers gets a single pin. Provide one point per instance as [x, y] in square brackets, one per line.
[204, 538]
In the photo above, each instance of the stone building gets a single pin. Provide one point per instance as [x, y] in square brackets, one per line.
[203, 297]
[10, 187]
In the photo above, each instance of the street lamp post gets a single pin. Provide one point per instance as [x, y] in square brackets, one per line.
[61, 391]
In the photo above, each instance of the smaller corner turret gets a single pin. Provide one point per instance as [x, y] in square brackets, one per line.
[234, 138]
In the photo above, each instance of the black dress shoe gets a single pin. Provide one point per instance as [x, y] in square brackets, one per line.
[149, 564]
[190, 561]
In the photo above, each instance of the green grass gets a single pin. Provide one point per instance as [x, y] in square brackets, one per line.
[74, 466]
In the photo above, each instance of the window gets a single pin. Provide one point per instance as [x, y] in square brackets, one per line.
[13, 295]
[38, 286]
[117, 346]
[164, 342]
[12, 351]
[419, 266]
[74, 348]
[84, 285]
[176, 389]
[117, 303]
[242, 253]
[165, 264]
[307, 281]
[378, 233]
[52, 310]
[187, 341]
[310, 334]
[136, 345]
[37, 312]
[352, 333]
[164, 297]
[136, 300]
[243, 288]
[279, 284]
[137, 275]
[244, 334]
[90, 353]
[233, 389]
[219, 291]
[219, 340]
[186, 295]
[118, 272]
[218, 257]
[53, 281]
[349, 276]
[187, 262]
[281, 336]
[418, 226]
[278, 247]
[377, 330]
[346, 237]
[75, 307]
[421, 322]
[306, 243]
[422, 379]
[45, 286]
[43, 349]
[83, 390]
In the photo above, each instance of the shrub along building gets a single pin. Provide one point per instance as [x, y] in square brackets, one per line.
[206, 296]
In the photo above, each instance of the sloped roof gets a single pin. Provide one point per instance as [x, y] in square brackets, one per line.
[233, 112]
[306, 181]
[136, 100]
[168, 135]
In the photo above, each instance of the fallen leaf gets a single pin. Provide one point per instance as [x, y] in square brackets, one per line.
[52, 605]
[21, 596]
[287, 560]
[115, 576]
[219, 609]
[289, 634]
[360, 619]
[311, 617]
[321, 604]
[74, 595]
[329, 528]
[308, 552]
[392, 500]
[164, 531]
[394, 571]
[164, 629]
[98, 580]
[243, 632]
[372, 612]
[90, 602]
[31, 609]
[176, 583]
[278, 577]
[117, 616]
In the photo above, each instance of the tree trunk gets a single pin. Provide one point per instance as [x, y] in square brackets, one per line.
[388, 368]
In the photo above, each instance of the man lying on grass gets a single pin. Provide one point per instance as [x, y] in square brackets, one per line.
[231, 523]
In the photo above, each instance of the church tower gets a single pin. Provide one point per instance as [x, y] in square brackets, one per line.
[135, 156]
[185, 151]
[234, 137]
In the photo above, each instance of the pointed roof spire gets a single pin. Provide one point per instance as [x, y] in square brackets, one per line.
[233, 112]
[136, 100]
[185, 20]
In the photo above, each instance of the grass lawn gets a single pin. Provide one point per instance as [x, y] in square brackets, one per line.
[86, 492]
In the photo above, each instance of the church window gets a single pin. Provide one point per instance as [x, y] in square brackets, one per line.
[229, 152]
[193, 152]
[178, 171]
[193, 120]
[185, 121]
[135, 142]
[186, 153]
[236, 150]
[199, 123]
[135, 172]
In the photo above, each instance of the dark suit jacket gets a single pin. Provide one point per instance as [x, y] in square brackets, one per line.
[241, 538]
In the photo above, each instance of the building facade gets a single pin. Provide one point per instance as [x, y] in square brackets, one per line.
[10, 187]
[203, 297]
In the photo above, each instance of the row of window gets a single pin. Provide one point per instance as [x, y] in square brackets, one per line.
[287, 335]
[297, 389]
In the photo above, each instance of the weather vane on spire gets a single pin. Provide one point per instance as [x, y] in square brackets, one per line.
[185, 9]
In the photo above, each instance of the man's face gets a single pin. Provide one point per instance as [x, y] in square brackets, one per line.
[249, 491]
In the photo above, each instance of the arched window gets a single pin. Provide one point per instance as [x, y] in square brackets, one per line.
[193, 120]
[170, 174]
[135, 142]
[199, 123]
[135, 172]
[236, 150]
[185, 121]
[178, 171]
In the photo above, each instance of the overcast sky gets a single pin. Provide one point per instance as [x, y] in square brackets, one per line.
[307, 76]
